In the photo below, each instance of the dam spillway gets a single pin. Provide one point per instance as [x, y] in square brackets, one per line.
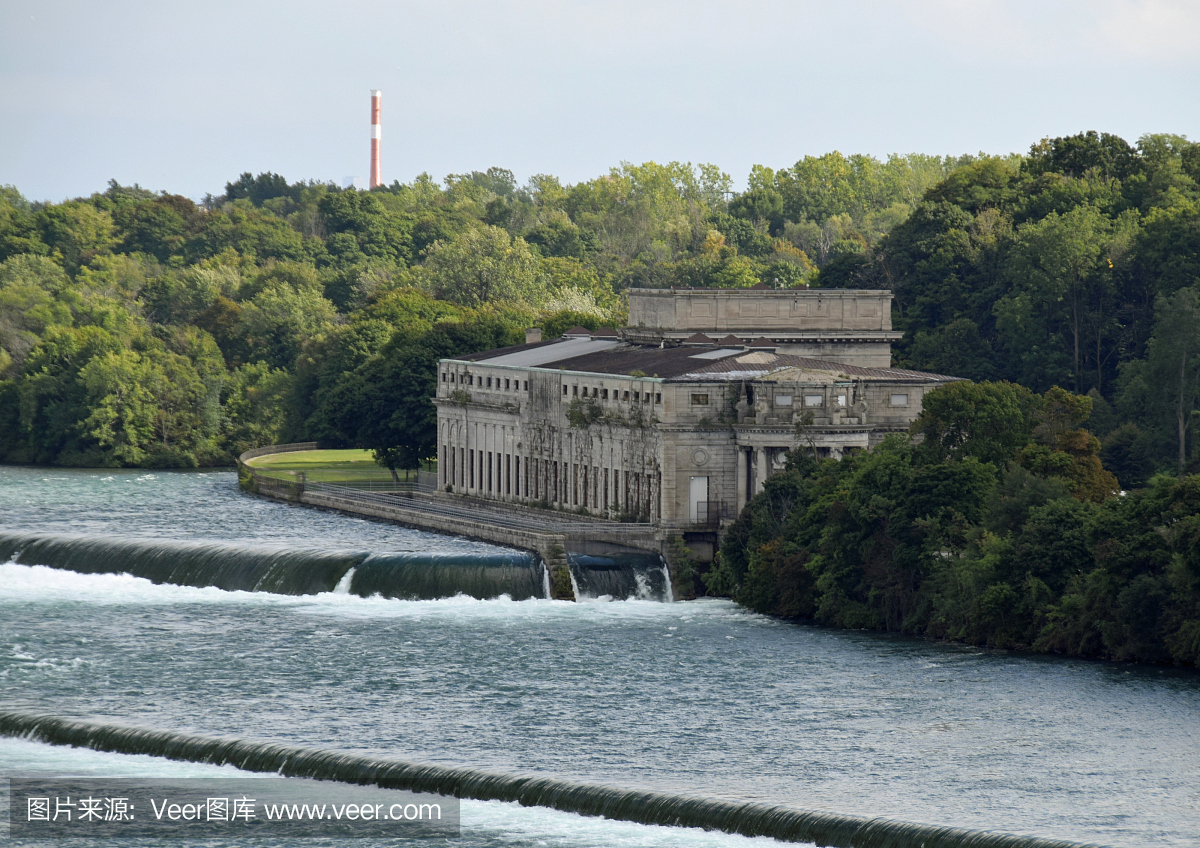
[518, 575]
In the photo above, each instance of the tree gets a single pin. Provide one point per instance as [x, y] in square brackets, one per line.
[1173, 357]
[483, 265]
[1054, 260]
[989, 421]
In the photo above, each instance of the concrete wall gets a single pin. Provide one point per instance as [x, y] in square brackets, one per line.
[760, 311]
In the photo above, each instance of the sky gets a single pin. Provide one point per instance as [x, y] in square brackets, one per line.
[184, 97]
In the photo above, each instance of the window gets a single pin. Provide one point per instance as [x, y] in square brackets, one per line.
[506, 382]
[899, 400]
[526, 385]
[575, 391]
[814, 400]
[699, 400]
[444, 377]
[841, 400]
[564, 391]
[658, 397]
[783, 400]
[626, 396]
[604, 394]
[470, 379]
[489, 385]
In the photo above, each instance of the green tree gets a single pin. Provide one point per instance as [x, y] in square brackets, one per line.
[1173, 359]
[484, 265]
[988, 421]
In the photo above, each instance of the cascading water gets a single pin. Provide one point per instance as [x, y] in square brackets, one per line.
[619, 577]
[517, 574]
[298, 571]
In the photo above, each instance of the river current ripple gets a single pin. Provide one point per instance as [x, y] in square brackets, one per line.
[697, 698]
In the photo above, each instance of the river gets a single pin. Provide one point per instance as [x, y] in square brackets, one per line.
[700, 698]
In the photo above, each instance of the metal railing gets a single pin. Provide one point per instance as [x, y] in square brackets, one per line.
[709, 513]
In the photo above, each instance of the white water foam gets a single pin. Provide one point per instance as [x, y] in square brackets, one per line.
[546, 582]
[343, 585]
[669, 590]
[37, 584]
[642, 592]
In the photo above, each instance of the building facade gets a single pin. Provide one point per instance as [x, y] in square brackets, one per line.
[666, 423]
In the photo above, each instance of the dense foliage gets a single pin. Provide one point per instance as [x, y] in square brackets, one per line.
[145, 329]
[998, 527]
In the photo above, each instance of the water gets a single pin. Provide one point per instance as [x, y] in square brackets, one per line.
[698, 698]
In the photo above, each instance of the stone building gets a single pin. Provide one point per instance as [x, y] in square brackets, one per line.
[681, 417]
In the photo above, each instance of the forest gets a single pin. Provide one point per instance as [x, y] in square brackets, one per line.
[1047, 504]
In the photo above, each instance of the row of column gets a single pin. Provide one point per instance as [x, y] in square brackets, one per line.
[489, 466]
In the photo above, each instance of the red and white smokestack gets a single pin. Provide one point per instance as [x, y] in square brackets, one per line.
[376, 137]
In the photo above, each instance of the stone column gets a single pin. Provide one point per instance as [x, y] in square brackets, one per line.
[742, 473]
[760, 479]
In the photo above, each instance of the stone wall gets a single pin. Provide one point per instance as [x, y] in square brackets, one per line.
[760, 310]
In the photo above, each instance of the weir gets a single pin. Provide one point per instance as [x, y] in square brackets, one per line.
[786, 824]
[413, 576]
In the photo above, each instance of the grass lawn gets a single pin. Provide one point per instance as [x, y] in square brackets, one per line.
[329, 466]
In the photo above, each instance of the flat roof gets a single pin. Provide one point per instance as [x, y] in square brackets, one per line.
[678, 364]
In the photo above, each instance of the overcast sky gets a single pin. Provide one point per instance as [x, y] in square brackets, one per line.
[185, 97]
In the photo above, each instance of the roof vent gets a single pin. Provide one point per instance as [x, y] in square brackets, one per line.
[533, 334]
[730, 341]
[577, 332]
[605, 334]
[699, 340]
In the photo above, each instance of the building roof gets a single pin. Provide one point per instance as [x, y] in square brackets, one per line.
[698, 339]
[684, 364]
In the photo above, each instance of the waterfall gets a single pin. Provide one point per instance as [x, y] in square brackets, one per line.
[618, 576]
[653, 808]
[282, 571]
[343, 586]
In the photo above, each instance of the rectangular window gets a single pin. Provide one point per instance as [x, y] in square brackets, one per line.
[564, 391]
[783, 400]
[444, 378]
[841, 400]
[526, 385]
[575, 391]
[489, 471]
[658, 397]
[699, 400]
[471, 451]
[899, 400]
[489, 382]
[506, 382]
[604, 394]
[627, 396]
[814, 400]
